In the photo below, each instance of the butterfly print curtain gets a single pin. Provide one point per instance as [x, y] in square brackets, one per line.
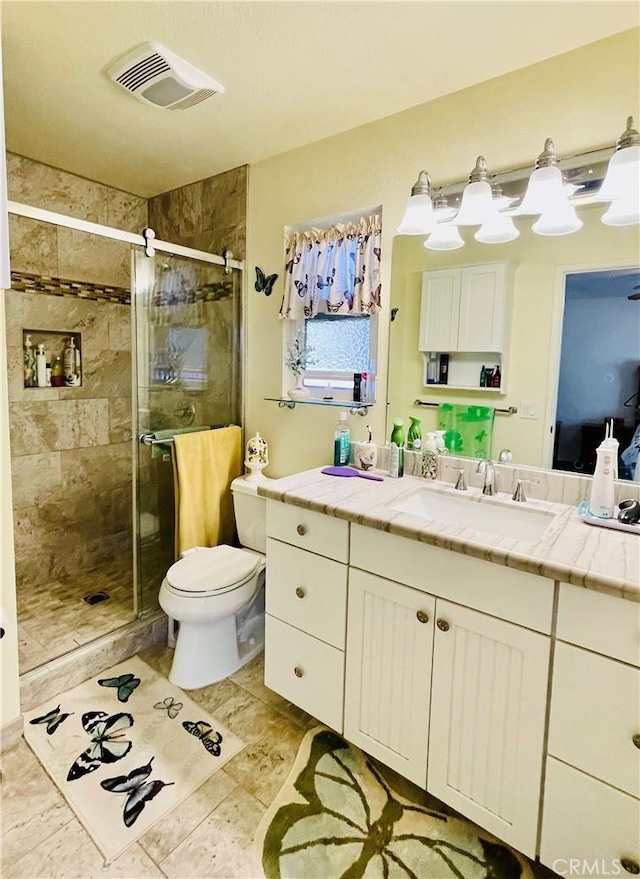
[333, 271]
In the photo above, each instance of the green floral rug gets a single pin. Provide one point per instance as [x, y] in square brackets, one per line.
[337, 817]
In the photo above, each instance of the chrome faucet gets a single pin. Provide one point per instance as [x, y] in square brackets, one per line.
[485, 466]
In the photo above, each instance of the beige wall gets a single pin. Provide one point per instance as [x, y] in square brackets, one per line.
[582, 99]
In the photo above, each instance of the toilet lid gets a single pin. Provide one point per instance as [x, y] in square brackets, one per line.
[212, 570]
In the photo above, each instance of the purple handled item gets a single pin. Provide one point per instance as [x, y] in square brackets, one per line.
[349, 471]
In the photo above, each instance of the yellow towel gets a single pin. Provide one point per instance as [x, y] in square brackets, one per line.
[205, 463]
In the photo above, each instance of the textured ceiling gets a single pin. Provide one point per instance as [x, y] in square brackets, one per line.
[294, 72]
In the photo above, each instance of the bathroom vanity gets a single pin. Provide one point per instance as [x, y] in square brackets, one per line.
[499, 673]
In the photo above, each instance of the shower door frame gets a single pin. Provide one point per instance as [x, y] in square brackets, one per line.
[141, 241]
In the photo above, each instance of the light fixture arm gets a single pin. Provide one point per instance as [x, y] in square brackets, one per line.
[479, 173]
[548, 157]
[629, 137]
[422, 186]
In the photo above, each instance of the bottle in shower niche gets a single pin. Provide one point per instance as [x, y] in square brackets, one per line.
[41, 366]
[341, 441]
[70, 364]
[30, 378]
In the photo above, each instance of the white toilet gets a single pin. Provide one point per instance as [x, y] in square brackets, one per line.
[216, 594]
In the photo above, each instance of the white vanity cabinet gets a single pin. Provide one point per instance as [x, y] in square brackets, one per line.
[592, 791]
[306, 609]
[465, 312]
[448, 695]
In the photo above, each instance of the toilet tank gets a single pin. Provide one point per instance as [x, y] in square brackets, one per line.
[251, 514]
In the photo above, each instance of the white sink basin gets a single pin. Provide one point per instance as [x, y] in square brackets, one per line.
[519, 523]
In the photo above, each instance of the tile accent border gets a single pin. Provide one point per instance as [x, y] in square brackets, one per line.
[30, 283]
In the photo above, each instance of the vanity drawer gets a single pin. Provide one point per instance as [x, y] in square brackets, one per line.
[600, 622]
[595, 713]
[305, 671]
[308, 591]
[515, 596]
[308, 530]
[587, 823]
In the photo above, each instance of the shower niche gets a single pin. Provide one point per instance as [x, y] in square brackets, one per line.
[52, 359]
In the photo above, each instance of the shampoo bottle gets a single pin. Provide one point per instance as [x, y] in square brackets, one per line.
[41, 366]
[341, 441]
[29, 363]
[601, 501]
[69, 363]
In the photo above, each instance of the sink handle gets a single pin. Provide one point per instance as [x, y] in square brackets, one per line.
[518, 494]
[461, 482]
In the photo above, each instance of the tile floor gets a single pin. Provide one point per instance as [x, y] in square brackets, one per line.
[57, 619]
[209, 835]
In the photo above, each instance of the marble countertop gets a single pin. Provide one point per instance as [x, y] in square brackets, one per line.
[569, 550]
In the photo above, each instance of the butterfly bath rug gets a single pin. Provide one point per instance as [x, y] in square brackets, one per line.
[338, 815]
[125, 748]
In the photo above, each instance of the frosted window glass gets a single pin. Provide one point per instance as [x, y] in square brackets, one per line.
[339, 343]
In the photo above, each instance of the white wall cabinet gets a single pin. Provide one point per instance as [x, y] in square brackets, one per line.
[465, 312]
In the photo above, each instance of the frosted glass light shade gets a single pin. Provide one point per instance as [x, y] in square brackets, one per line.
[622, 212]
[497, 230]
[545, 191]
[477, 204]
[418, 217]
[559, 220]
[444, 237]
[622, 180]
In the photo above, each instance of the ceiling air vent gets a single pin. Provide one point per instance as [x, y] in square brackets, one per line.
[160, 78]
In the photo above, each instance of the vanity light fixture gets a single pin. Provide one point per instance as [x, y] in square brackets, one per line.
[418, 217]
[477, 199]
[499, 229]
[548, 197]
[621, 185]
[445, 236]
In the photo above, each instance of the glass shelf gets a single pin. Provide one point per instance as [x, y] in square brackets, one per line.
[352, 407]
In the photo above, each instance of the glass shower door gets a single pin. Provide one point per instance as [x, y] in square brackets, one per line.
[187, 376]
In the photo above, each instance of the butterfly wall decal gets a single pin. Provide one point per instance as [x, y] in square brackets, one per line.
[139, 791]
[264, 283]
[125, 685]
[169, 705]
[52, 719]
[204, 731]
[107, 742]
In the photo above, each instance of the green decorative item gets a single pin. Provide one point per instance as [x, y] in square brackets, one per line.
[468, 429]
[414, 435]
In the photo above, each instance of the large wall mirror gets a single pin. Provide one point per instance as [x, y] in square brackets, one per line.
[573, 357]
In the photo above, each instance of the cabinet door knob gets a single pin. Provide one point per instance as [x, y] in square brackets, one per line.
[300, 592]
[302, 530]
[636, 740]
[298, 671]
[443, 625]
[630, 866]
[422, 617]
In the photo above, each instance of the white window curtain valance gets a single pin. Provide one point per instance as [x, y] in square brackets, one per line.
[333, 271]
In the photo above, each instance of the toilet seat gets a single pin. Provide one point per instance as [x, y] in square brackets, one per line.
[211, 571]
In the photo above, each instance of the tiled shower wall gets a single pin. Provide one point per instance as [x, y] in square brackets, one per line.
[70, 447]
[71, 452]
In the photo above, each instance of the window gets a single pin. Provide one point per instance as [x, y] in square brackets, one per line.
[331, 300]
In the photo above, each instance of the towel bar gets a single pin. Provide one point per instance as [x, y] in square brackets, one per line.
[150, 439]
[512, 410]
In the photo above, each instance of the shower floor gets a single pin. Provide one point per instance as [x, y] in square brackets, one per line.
[55, 619]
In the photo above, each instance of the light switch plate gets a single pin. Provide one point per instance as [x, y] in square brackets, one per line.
[529, 410]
